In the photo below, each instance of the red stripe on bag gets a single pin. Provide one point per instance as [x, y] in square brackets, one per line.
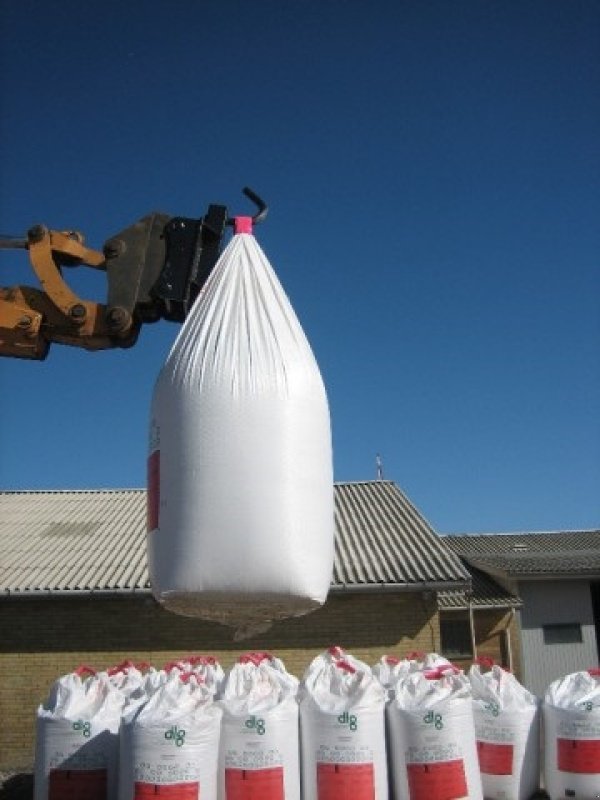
[345, 782]
[169, 791]
[153, 490]
[83, 784]
[579, 755]
[444, 780]
[495, 759]
[254, 784]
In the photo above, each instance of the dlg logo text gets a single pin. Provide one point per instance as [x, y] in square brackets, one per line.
[176, 735]
[84, 727]
[434, 719]
[348, 719]
[257, 723]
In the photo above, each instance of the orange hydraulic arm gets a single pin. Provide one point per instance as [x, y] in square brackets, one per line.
[155, 269]
[31, 318]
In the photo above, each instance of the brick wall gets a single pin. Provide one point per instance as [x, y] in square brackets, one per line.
[46, 637]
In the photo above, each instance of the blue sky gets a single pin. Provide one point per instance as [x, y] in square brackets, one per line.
[433, 176]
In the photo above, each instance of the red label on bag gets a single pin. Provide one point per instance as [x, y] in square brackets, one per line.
[153, 490]
[444, 780]
[579, 755]
[254, 784]
[495, 759]
[81, 784]
[345, 782]
[169, 791]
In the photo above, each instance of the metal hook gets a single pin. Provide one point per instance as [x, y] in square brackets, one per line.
[263, 209]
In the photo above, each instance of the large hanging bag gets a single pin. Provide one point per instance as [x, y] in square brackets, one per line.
[240, 501]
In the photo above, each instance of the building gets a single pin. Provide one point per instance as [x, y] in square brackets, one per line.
[74, 590]
[557, 577]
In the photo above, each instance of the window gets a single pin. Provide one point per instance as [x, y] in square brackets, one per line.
[563, 633]
[455, 632]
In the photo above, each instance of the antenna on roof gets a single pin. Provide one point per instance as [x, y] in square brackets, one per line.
[379, 465]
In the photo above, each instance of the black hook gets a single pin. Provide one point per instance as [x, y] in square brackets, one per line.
[263, 209]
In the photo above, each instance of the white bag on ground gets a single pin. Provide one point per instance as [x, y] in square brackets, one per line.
[433, 662]
[571, 712]
[240, 496]
[507, 732]
[259, 753]
[153, 681]
[170, 744]
[342, 733]
[77, 739]
[128, 677]
[334, 655]
[432, 746]
[257, 657]
[389, 670]
[207, 670]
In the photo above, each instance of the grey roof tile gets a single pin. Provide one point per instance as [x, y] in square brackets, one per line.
[522, 554]
[381, 538]
[485, 593]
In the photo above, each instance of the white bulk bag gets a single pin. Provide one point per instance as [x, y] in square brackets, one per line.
[77, 739]
[240, 495]
[153, 681]
[334, 655]
[257, 657]
[432, 748]
[127, 678]
[507, 732]
[389, 670]
[259, 753]
[342, 734]
[207, 670]
[571, 711]
[170, 744]
[435, 662]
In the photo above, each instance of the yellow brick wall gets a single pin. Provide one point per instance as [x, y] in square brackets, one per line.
[44, 638]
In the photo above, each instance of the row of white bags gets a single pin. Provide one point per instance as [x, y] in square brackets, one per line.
[509, 734]
[449, 735]
[171, 733]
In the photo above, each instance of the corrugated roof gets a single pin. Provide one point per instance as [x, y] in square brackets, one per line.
[73, 540]
[485, 593]
[69, 541]
[522, 554]
[383, 539]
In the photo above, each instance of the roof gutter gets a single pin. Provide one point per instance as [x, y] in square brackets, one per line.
[347, 588]
[370, 588]
[74, 592]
